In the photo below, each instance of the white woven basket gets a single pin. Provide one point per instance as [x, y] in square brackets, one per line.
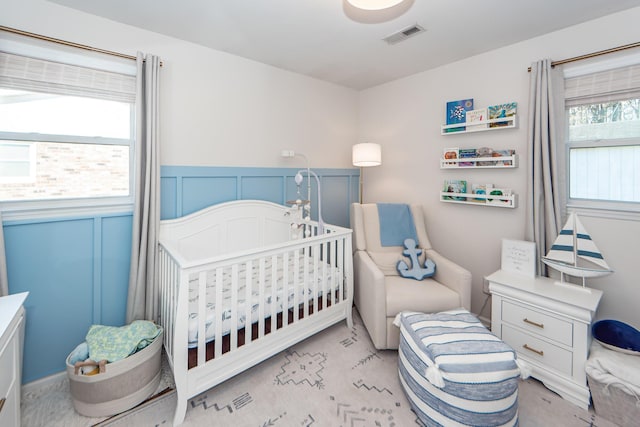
[614, 403]
[125, 384]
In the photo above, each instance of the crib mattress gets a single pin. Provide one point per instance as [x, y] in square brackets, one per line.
[311, 283]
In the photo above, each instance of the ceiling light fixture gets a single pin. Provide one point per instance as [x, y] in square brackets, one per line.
[374, 4]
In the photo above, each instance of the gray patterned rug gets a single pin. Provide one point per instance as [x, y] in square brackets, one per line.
[335, 378]
[332, 379]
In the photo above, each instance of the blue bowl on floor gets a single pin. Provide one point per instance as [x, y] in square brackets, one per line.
[617, 336]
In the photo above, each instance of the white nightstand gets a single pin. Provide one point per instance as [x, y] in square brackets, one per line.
[549, 326]
[11, 339]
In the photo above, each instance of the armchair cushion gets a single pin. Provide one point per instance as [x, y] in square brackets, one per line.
[387, 261]
[427, 296]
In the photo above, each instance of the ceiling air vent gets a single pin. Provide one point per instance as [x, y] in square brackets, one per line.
[404, 34]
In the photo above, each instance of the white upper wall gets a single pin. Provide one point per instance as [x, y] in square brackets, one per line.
[216, 109]
[405, 117]
[222, 110]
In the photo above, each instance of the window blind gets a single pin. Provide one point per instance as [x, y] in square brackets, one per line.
[39, 75]
[611, 85]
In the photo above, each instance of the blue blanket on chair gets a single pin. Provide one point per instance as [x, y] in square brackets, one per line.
[396, 224]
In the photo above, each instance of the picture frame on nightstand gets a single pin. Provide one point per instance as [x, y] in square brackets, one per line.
[519, 256]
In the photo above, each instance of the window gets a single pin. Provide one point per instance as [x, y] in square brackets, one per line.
[66, 135]
[603, 139]
[17, 163]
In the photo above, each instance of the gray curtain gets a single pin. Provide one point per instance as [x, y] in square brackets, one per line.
[545, 153]
[142, 301]
[4, 281]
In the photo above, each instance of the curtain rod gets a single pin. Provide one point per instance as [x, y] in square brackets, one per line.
[593, 54]
[67, 43]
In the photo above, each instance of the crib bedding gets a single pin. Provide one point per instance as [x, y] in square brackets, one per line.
[305, 278]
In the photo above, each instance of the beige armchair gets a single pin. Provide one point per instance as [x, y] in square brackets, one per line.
[381, 293]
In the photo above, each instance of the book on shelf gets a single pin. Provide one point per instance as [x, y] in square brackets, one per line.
[503, 153]
[450, 154]
[478, 189]
[457, 113]
[500, 111]
[466, 153]
[476, 116]
[455, 186]
[498, 192]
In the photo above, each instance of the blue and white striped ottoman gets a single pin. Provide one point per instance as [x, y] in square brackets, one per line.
[455, 372]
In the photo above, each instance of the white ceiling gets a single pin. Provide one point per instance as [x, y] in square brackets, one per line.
[331, 41]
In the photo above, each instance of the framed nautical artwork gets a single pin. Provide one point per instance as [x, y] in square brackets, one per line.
[519, 256]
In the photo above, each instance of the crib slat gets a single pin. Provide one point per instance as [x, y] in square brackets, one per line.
[173, 299]
[169, 285]
[297, 285]
[219, 312]
[274, 290]
[162, 278]
[262, 297]
[307, 284]
[316, 260]
[234, 308]
[248, 301]
[326, 287]
[202, 310]
[174, 290]
[285, 288]
[339, 269]
[333, 255]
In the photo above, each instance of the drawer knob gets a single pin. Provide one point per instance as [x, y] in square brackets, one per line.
[531, 322]
[539, 352]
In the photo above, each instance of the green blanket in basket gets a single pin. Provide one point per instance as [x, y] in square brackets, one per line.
[113, 343]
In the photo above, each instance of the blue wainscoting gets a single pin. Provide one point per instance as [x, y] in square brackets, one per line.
[77, 269]
[188, 189]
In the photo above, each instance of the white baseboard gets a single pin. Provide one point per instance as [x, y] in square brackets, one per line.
[35, 386]
[486, 322]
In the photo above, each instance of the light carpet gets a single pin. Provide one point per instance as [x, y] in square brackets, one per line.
[335, 378]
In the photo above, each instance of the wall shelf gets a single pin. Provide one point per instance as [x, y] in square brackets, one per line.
[498, 201]
[498, 162]
[480, 126]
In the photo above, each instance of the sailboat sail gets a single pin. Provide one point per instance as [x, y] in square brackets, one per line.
[572, 243]
[586, 248]
[563, 249]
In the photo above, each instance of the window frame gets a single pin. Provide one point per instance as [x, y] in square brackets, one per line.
[609, 208]
[74, 206]
[31, 159]
[595, 207]
[43, 208]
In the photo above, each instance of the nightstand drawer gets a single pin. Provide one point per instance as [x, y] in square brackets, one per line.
[541, 351]
[538, 322]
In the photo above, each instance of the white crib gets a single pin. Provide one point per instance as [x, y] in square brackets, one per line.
[265, 289]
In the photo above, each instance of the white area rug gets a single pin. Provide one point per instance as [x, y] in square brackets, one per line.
[335, 378]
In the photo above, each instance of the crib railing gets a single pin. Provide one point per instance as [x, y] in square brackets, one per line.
[315, 274]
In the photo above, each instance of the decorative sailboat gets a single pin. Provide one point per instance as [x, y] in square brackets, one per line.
[573, 244]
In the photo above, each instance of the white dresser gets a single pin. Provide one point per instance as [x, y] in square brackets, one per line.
[11, 341]
[549, 326]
